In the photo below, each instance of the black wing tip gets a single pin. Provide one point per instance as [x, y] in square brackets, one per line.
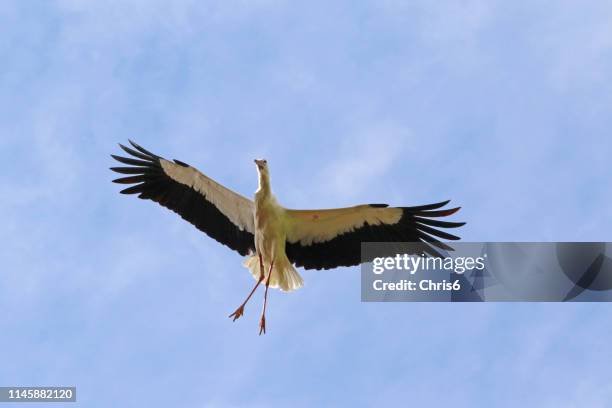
[180, 163]
[426, 207]
[450, 211]
[428, 226]
[432, 210]
[120, 159]
[439, 204]
[437, 223]
[135, 189]
[136, 145]
[379, 205]
[116, 169]
[142, 149]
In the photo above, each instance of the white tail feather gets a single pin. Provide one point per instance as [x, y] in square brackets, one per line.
[284, 276]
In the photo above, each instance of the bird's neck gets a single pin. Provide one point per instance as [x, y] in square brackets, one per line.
[264, 185]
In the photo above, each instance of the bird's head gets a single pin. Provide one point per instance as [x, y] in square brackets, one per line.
[262, 165]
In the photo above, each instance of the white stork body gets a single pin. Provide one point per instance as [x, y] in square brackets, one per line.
[273, 238]
[270, 237]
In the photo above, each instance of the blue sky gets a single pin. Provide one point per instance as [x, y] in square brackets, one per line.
[504, 107]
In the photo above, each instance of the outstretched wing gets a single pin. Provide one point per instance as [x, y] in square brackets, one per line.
[214, 209]
[325, 239]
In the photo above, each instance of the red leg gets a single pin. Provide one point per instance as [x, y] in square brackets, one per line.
[240, 309]
[262, 322]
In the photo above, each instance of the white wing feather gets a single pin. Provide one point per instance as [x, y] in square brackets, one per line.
[314, 226]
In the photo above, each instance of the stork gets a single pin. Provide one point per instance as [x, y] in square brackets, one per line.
[275, 239]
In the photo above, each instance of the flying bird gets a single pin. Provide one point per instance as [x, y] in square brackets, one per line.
[275, 239]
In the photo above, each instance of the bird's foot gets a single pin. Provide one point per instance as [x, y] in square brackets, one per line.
[262, 325]
[236, 315]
